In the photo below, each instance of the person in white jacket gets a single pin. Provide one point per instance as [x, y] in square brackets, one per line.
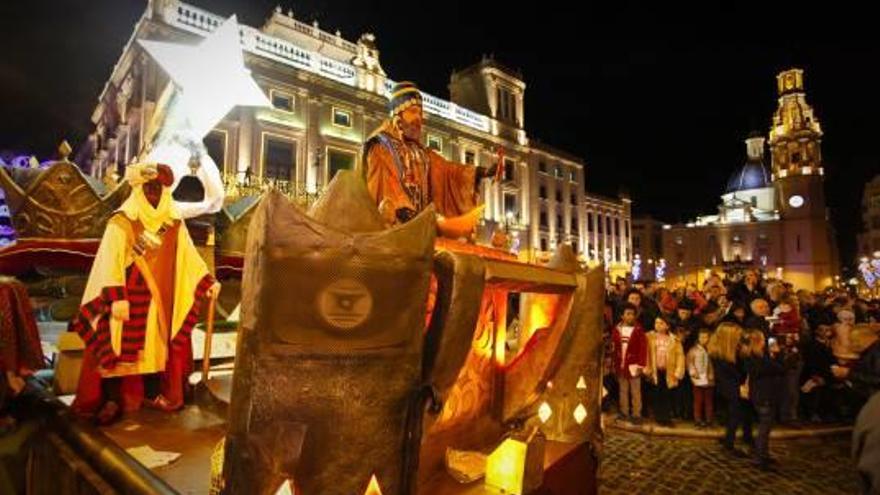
[702, 375]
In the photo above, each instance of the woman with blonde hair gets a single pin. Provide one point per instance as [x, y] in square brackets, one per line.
[765, 374]
[724, 347]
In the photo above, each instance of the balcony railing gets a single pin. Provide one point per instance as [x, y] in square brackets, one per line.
[297, 193]
[202, 22]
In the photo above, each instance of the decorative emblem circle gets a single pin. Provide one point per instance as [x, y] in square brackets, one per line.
[345, 304]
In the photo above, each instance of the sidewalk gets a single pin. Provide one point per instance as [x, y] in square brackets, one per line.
[686, 429]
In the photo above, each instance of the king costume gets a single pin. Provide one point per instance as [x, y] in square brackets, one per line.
[144, 295]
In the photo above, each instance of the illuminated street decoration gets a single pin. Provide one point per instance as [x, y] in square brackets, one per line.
[661, 270]
[636, 267]
[210, 79]
[870, 269]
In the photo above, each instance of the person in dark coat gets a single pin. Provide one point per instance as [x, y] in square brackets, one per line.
[864, 376]
[866, 446]
[749, 289]
[766, 373]
[724, 347]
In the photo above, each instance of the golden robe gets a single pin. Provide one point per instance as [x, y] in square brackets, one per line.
[406, 174]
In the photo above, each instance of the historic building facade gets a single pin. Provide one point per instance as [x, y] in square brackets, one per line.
[776, 221]
[869, 238]
[328, 94]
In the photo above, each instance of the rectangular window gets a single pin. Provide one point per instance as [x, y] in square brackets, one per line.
[339, 160]
[754, 201]
[542, 167]
[590, 223]
[470, 157]
[637, 243]
[341, 118]
[572, 176]
[279, 159]
[435, 143]
[509, 169]
[574, 225]
[215, 143]
[601, 224]
[574, 199]
[543, 219]
[542, 192]
[543, 244]
[281, 101]
[617, 227]
[558, 196]
[559, 222]
[608, 225]
[510, 206]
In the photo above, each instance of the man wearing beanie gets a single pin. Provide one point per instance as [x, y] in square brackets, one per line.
[404, 176]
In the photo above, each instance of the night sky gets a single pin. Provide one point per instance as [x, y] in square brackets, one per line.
[657, 101]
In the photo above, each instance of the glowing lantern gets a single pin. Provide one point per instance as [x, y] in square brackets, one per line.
[580, 413]
[517, 465]
[544, 412]
[373, 487]
[582, 384]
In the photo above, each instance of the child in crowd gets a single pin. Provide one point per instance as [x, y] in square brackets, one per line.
[665, 368]
[630, 351]
[702, 375]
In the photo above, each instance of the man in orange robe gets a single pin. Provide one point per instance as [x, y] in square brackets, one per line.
[404, 176]
[142, 299]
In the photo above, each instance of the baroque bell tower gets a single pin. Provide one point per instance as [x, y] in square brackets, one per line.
[798, 177]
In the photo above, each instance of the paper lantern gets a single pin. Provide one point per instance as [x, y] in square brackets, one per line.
[517, 465]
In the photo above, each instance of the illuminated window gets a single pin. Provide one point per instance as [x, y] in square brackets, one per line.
[510, 204]
[558, 171]
[279, 159]
[572, 176]
[215, 143]
[509, 169]
[281, 101]
[339, 160]
[435, 142]
[470, 157]
[341, 118]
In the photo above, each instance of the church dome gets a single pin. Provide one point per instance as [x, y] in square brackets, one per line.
[752, 175]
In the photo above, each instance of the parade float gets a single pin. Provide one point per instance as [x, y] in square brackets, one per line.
[368, 357]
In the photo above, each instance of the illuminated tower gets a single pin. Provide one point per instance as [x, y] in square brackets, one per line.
[798, 176]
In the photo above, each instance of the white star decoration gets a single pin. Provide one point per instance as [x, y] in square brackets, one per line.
[210, 79]
[211, 76]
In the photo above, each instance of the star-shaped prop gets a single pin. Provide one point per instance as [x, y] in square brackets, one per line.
[211, 77]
